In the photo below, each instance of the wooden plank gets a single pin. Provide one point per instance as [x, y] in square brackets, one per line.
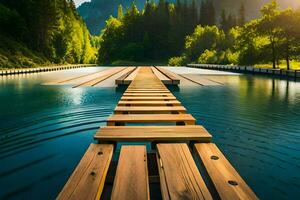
[120, 80]
[148, 98]
[149, 109]
[171, 75]
[98, 80]
[149, 103]
[131, 77]
[146, 91]
[153, 133]
[179, 176]
[228, 183]
[148, 94]
[148, 87]
[151, 118]
[200, 80]
[72, 80]
[87, 180]
[131, 180]
[163, 78]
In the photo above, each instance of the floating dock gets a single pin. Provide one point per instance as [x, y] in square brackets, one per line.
[295, 74]
[121, 76]
[42, 69]
[176, 144]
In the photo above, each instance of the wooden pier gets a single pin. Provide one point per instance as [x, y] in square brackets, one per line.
[177, 144]
[41, 69]
[293, 74]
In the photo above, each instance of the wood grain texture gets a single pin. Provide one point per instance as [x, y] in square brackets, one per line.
[153, 133]
[147, 91]
[222, 173]
[149, 109]
[129, 71]
[148, 98]
[87, 180]
[162, 76]
[152, 118]
[149, 103]
[108, 73]
[171, 75]
[131, 180]
[179, 176]
[148, 94]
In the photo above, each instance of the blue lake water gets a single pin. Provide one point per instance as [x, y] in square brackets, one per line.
[45, 130]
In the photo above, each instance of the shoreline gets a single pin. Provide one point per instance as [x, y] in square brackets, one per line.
[250, 69]
[6, 72]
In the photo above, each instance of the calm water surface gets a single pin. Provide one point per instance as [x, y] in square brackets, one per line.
[45, 130]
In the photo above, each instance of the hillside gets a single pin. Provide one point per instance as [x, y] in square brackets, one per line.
[96, 12]
[42, 32]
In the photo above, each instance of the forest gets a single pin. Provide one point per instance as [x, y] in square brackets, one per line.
[96, 12]
[185, 35]
[43, 32]
[46, 32]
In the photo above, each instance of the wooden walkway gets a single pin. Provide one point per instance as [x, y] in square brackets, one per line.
[165, 76]
[176, 142]
[41, 69]
[120, 75]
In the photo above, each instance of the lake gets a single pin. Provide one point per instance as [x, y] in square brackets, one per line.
[45, 130]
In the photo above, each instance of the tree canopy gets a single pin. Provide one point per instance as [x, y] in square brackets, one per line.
[52, 30]
[155, 33]
[273, 37]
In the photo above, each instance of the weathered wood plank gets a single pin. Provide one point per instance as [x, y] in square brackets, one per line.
[148, 98]
[99, 79]
[149, 109]
[148, 94]
[131, 180]
[166, 80]
[153, 133]
[87, 180]
[129, 71]
[147, 91]
[149, 103]
[151, 118]
[179, 176]
[228, 183]
[171, 75]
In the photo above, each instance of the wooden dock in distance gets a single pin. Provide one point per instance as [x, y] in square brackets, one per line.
[172, 144]
[165, 76]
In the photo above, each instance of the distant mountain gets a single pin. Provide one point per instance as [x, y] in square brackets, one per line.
[96, 12]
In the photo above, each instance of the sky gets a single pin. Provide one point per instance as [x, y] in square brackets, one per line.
[78, 2]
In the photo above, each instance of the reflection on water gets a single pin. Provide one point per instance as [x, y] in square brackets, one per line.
[255, 122]
[45, 130]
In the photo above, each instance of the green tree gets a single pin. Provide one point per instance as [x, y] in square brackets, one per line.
[111, 38]
[288, 22]
[268, 27]
[203, 38]
[120, 12]
[241, 16]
